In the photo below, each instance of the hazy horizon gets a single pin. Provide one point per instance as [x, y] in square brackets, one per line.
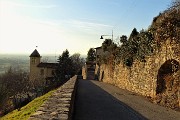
[44, 54]
[22, 61]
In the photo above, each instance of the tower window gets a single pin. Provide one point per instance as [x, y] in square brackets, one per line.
[33, 60]
[53, 72]
[42, 72]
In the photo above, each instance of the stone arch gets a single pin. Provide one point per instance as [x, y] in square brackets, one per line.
[165, 77]
[168, 81]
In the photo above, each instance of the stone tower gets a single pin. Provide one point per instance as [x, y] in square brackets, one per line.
[35, 59]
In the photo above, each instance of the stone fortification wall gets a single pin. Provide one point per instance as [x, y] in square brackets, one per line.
[60, 105]
[150, 78]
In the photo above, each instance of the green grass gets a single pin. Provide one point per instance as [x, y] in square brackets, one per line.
[27, 110]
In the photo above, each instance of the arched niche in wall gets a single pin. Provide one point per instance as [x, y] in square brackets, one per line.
[166, 76]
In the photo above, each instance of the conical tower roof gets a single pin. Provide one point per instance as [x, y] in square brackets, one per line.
[35, 53]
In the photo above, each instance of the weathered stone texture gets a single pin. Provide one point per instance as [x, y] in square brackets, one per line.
[60, 105]
[142, 77]
[84, 72]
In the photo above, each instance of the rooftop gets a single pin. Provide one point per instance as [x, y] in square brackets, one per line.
[35, 53]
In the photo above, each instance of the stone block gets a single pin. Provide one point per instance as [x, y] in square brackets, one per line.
[63, 116]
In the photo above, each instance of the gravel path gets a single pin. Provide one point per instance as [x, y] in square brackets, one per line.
[100, 101]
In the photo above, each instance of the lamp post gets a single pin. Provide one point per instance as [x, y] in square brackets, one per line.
[107, 35]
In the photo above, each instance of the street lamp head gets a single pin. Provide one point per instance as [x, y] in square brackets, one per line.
[106, 35]
[101, 37]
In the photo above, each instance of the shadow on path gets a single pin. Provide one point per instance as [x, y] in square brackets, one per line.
[93, 103]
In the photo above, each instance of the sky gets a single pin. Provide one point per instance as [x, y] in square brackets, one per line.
[76, 25]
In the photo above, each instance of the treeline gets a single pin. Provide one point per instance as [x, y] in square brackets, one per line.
[136, 46]
[68, 65]
[140, 44]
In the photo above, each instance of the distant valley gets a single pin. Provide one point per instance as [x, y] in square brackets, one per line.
[19, 61]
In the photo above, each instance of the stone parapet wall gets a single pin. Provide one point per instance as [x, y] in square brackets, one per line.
[60, 105]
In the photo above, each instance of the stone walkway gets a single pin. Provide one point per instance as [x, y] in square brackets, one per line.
[100, 101]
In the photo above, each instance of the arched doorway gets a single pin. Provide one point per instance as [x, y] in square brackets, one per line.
[168, 83]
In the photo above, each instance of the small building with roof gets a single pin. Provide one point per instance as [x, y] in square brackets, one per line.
[40, 70]
[99, 53]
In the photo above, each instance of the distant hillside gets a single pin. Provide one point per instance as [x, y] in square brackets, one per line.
[14, 61]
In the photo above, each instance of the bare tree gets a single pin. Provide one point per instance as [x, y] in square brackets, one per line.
[13, 83]
[77, 63]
